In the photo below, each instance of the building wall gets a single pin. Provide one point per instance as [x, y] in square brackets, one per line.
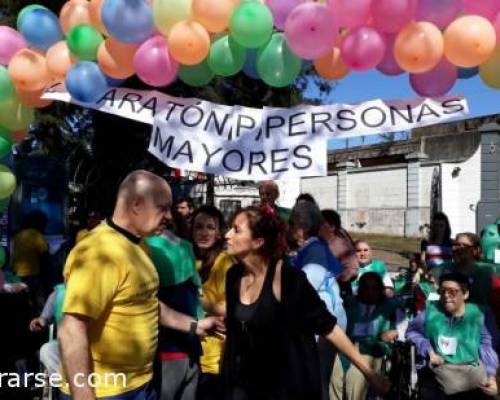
[324, 190]
[426, 173]
[461, 192]
[377, 188]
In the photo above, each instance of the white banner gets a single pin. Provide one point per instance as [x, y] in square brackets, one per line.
[267, 143]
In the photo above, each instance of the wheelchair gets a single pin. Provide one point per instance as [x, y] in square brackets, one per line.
[400, 368]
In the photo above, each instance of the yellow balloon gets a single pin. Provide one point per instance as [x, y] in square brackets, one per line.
[489, 71]
[167, 13]
[14, 115]
[7, 182]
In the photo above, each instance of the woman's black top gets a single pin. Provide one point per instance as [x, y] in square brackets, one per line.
[271, 349]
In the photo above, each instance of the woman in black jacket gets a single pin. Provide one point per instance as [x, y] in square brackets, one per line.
[273, 315]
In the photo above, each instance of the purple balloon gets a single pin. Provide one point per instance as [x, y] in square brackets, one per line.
[154, 64]
[440, 12]
[11, 41]
[485, 8]
[389, 16]
[436, 82]
[389, 65]
[281, 9]
[310, 30]
[350, 13]
[363, 48]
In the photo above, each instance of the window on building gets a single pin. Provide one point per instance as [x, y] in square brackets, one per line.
[228, 207]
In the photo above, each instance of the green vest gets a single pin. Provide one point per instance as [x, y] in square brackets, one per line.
[59, 302]
[456, 343]
[365, 330]
[375, 266]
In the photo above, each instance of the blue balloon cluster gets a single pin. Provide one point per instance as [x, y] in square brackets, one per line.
[41, 28]
[130, 21]
[86, 82]
[467, 73]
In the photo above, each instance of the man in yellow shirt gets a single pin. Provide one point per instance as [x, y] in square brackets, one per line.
[109, 332]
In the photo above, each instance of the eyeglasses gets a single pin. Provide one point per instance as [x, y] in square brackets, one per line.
[450, 291]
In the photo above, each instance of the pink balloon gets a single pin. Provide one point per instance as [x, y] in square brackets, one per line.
[440, 12]
[496, 24]
[281, 9]
[153, 63]
[363, 48]
[350, 13]
[436, 82]
[11, 41]
[390, 16]
[389, 65]
[310, 30]
[485, 8]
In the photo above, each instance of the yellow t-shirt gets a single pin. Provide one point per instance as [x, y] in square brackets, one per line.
[82, 233]
[214, 291]
[112, 280]
[29, 245]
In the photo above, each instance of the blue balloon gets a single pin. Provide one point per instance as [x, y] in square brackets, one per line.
[41, 28]
[114, 82]
[250, 67]
[129, 21]
[467, 73]
[86, 82]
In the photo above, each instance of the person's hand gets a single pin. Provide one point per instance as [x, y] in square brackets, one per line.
[389, 336]
[435, 359]
[210, 325]
[380, 383]
[37, 324]
[490, 387]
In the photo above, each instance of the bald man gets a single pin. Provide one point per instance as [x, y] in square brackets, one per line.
[269, 193]
[109, 332]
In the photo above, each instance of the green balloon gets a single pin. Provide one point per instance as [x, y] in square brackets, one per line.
[276, 64]
[226, 57]
[7, 182]
[25, 11]
[251, 24]
[14, 115]
[196, 75]
[5, 142]
[6, 86]
[84, 41]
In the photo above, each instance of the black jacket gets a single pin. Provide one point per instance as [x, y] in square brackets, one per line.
[305, 315]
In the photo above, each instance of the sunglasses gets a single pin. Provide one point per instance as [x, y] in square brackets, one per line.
[450, 291]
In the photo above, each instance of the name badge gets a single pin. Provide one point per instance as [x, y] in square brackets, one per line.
[447, 345]
[497, 256]
[364, 329]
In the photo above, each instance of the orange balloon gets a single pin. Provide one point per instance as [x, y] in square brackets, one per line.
[32, 99]
[95, 16]
[116, 59]
[419, 47]
[189, 42]
[214, 15]
[59, 60]
[469, 41]
[331, 66]
[74, 12]
[28, 70]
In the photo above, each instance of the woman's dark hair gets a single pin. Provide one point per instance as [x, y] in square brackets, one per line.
[332, 217]
[440, 216]
[378, 281]
[305, 197]
[266, 224]
[208, 258]
[179, 225]
[307, 216]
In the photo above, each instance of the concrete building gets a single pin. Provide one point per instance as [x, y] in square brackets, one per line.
[393, 188]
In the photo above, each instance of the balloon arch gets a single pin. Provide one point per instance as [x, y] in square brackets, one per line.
[94, 44]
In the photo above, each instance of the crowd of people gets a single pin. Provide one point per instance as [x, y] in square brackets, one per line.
[273, 304]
